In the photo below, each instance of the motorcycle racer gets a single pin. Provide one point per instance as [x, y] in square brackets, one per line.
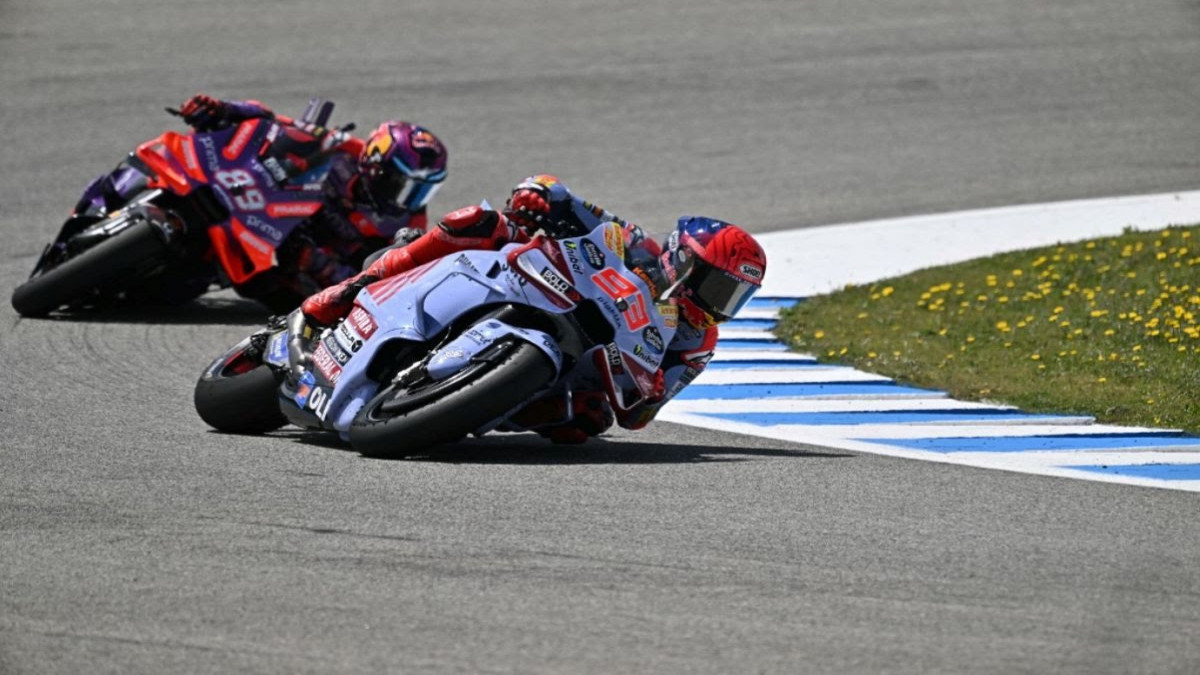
[704, 272]
[376, 191]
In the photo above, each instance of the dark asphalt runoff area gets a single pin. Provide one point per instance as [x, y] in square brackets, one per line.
[135, 540]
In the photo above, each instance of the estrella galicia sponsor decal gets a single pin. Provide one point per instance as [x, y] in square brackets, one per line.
[654, 339]
[595, 257]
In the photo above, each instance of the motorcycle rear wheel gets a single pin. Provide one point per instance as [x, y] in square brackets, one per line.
[104, 265]
[238, 394]
[401, 420]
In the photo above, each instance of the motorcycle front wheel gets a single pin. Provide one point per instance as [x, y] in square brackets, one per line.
[402, 420]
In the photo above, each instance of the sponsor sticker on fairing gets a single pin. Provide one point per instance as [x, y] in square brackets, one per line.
[238, 143]
[326, 364]
[654, 339]
[670, 314]
[303, 388]
[642, 354]
[339, 353]
[573, 258]
[614, 239]
[595, 257]
[277, 351]
[555, 282]
[319, 401]
[273, 167]
[362, 322]
[347, 339]
[614, 357]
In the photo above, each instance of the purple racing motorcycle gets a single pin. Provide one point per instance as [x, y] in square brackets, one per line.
[187, 210]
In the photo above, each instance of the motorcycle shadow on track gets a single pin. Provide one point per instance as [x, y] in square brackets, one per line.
[206, 310]
[531, 449]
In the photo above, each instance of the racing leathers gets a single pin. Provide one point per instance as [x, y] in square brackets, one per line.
[540, 201]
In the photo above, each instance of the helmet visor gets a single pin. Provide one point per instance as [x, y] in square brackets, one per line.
[416, 194]
[394, 191]
[719, 293]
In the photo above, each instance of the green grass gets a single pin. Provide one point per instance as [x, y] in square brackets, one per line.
[1107, 327]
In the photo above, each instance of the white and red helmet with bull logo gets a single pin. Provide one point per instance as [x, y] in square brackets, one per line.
[713, 269]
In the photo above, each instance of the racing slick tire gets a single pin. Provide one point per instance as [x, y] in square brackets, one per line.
[238, 394]
[402, 420]
[107, 263]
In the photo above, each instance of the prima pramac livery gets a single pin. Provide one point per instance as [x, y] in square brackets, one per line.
[274, 207]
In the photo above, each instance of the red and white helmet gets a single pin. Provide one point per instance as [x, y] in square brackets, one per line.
[713, 269]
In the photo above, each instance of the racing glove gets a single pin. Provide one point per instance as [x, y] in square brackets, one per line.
[205, 113]
[528, 208]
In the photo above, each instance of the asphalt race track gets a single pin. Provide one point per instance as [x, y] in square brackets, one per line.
[135, 540]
